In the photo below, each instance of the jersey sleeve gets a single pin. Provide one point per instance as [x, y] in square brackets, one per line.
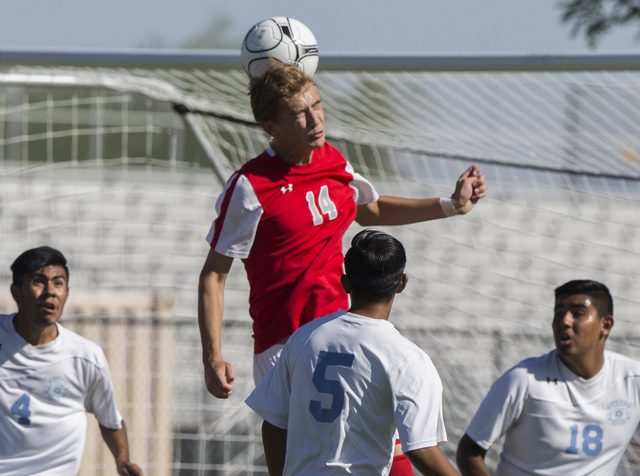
[365, 192]
[417, 395]
[239, 211]
[270, 399]
[500, 409]
[100, 399]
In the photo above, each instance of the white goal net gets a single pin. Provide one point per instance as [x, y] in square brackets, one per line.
[119, 168]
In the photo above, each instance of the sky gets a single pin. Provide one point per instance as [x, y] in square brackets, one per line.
[457, 26]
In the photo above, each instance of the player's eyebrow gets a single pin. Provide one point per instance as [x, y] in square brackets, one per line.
[295, 112]
[562, 307]
[41, 275]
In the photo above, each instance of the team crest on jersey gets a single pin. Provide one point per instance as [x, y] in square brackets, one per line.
[619, 412]
[57, 388]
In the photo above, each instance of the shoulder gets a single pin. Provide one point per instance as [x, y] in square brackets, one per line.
[533, 368]
[6, 322]
[622, 363]
[331, 150]
[328, 153]
[258, 162]
[303, 334]
[81, 347]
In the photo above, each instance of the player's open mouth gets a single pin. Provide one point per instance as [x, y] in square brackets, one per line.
[49, 307]
[564, 338]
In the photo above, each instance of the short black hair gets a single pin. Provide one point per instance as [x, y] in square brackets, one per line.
[35, 259]
[598, 292]
[374, 264]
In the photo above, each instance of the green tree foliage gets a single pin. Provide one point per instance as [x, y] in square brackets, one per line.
[597, 17]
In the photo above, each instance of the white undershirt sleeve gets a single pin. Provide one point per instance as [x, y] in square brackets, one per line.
[417, 395]
[365, 192]
[270, 399]
[100, 399]
[240, 220]
[500, 409]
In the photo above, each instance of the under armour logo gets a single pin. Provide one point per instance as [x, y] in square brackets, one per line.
[288, 188]
[555, 380]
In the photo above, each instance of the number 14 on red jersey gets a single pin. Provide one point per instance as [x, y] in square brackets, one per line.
[327, 207]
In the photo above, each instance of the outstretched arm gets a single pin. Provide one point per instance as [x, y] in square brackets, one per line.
[218, 374]
[117, 442]
[274, 440]
[431, 461]
[470, 458]
[470, 188]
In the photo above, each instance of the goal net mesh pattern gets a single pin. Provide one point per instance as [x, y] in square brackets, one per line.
[120, 170]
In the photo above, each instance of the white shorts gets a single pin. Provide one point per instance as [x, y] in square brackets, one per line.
[265, 361]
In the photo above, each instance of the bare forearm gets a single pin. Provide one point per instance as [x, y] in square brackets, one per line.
[431, 461]
[118, 444]
[218, 374]
[389, 211]
[470, 458]
[116, 441]
[210, 311]
[211, 304]
[473, 466]
[274, 440]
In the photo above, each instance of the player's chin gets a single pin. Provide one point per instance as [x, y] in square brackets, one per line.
[564, 348]
[318, 142]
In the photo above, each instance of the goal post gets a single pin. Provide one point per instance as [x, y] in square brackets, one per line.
[117, 158]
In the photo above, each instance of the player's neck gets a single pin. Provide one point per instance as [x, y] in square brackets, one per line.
[34, 335]
[584, 366]
[380, 310]
[292, 156]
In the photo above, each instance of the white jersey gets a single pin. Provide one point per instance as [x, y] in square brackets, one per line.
[557, 423]
[45, 391]
[343, 384]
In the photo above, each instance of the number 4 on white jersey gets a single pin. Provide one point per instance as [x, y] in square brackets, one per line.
[326, 206]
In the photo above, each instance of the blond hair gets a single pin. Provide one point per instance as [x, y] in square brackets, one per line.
[275, 87]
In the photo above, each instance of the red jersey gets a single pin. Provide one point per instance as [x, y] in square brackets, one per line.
[286, 223]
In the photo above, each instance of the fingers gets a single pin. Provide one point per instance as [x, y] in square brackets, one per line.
[129, 469]
[473, 171]
[479, 189]
[219, 379]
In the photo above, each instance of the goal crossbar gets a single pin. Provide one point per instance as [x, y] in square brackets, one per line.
[331, 61]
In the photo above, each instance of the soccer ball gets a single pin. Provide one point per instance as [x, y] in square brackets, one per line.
[284, 39]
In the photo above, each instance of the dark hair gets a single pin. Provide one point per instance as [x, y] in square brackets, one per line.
[276, 86]
[598, 292]
[374, 264]
[35, 259]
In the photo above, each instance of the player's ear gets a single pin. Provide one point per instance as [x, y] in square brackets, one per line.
[346, 284]
[403, 283]
[269, 127]
[607, 324]
[15, 292]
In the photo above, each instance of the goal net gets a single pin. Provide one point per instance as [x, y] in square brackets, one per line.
[119, 168]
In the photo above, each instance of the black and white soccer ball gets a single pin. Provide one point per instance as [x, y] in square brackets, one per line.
[281, 38]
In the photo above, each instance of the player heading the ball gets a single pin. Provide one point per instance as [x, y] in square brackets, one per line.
[284, 214]
[50, 377]
[346, 381]
[572, 411]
